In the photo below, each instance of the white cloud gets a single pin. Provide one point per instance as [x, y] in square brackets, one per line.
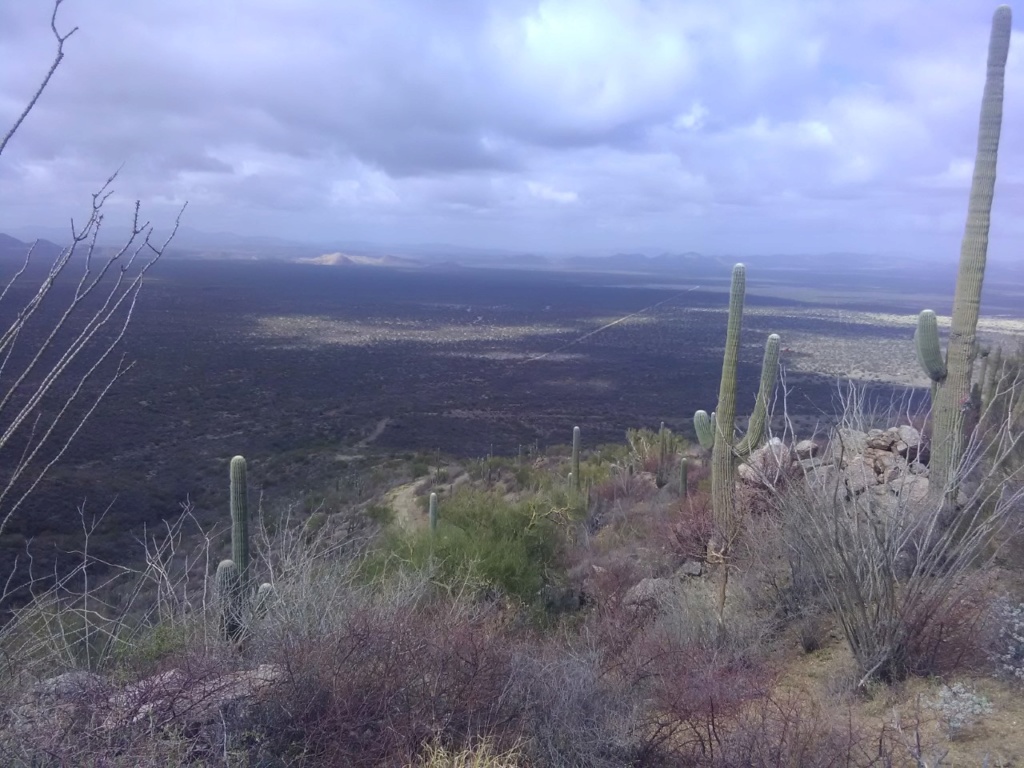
[545, 192]
[726, 125]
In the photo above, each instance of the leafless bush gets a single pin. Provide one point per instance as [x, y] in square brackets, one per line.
[572, 713]
[899, 572]
[57, 356]
[389, 681]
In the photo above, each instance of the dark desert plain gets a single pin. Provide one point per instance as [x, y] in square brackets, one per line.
[319, 374]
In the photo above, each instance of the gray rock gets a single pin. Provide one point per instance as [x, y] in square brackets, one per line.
[889, 466]
[806, 449]
[652, 592]
[859, 475]
[691, 568]
[846, 444]
[880, 440]
[767, 464]
[911, 489]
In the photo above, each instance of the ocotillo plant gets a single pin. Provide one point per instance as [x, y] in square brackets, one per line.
[952, 376]
[575, 481]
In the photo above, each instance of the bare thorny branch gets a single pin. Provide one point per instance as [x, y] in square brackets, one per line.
[86, 332]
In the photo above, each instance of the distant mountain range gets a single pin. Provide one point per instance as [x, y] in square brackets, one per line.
[192, 244]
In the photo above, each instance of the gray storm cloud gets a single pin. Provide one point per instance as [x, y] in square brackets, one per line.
[724, 126]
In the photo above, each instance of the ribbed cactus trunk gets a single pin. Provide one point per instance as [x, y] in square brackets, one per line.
[432, 513]
[575, 481]
[240, 521]
[684, 467]
[230, 598]
[722, 456]
[952, 393]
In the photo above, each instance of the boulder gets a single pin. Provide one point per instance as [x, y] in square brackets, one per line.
[58, 705]
[859, 475]
[691, 568]
[846, 445]
[767, 464]
[880, 440]
[806, 449]
[650, 592]
[911, 489]
[889, 466]
[177, 699]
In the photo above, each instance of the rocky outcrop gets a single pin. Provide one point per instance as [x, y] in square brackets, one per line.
[54, 710]
[882, 466]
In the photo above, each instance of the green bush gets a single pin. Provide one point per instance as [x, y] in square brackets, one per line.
[481, 540]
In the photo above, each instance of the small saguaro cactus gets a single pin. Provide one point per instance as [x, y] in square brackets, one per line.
[574, 478]
[683, 472]
[952, 375]
[234, 575]
[432, 513]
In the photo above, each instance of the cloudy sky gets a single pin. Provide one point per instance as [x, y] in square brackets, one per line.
[724, 126]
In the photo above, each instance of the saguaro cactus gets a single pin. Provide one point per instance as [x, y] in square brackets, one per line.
[724, 449]
[575, 481]
[240, 520]
[230, 600]
[683, 472]
[234, 575]
[432, 513]
[952, 377]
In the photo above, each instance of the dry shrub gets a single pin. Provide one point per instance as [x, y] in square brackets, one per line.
[790, 729]
[375, 690]
[480, 755]
[693, 526]
[575, 714]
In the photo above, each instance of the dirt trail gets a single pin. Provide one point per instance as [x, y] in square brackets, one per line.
[378, 430]
[408, 514]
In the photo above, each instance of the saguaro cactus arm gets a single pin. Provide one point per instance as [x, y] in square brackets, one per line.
[759, 418]
[929, 352]
[704, 425]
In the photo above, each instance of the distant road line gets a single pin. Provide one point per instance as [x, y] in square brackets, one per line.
[586, 336]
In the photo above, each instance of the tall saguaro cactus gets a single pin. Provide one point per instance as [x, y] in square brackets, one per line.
[952, 376]
[240, 520]
[725, 450]
[575, 458]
